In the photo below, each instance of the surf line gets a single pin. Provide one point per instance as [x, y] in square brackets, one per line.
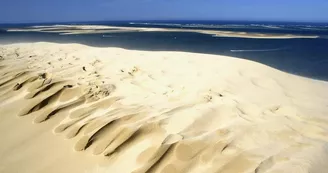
[258, 50]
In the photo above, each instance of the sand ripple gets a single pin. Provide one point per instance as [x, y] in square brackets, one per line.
[165, 112]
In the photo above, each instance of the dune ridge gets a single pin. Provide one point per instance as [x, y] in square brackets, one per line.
[74, 108]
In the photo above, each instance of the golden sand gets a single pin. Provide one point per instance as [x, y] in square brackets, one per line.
[73, 108]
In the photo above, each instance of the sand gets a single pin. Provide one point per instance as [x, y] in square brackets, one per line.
[101, 29]
[78, 109]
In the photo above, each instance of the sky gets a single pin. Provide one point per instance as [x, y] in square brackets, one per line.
[26, 11]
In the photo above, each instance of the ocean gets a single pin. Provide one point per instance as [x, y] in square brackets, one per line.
[306, 57]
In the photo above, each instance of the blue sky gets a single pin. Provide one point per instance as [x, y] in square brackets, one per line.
[18, 11]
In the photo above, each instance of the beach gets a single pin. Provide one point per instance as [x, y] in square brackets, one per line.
[76, 108]
[94, 29]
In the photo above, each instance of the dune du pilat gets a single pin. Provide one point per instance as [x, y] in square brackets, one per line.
[75, 108]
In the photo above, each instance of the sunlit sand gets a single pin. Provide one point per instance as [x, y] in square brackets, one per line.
[80, 109]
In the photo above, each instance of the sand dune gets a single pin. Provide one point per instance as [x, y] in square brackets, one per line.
[74, 108]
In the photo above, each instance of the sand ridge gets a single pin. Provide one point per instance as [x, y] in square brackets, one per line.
[117, 110]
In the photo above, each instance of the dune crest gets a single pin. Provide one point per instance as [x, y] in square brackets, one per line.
[74, 108]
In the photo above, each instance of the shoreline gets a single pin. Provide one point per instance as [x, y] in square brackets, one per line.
[163, 111]
[92, 29]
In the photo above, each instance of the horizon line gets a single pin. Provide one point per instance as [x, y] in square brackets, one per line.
[161, 20]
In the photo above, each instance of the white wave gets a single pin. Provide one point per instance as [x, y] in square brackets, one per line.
[107, 36]
[39, 26]
[257, 50]
[218, 26]
[158, 24]
[192, 25]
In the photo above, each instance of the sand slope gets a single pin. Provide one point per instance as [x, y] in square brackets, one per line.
[74, 108]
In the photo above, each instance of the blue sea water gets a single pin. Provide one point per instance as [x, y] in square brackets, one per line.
[302, 56]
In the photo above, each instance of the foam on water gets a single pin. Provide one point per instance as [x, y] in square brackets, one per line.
[258, 50]
[250, 26]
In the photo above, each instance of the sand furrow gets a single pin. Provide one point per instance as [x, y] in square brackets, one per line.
[125, 113]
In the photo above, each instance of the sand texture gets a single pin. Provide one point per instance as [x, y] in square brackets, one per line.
[71, 108]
